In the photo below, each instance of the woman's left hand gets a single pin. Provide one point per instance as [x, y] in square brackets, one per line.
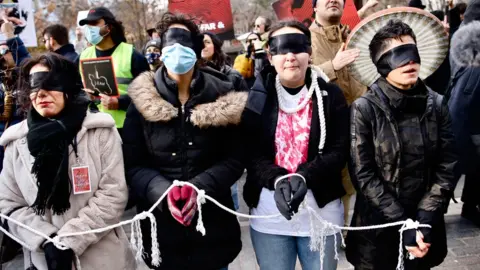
[108, 102]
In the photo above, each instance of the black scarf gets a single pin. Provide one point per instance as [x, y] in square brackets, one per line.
[48, 141]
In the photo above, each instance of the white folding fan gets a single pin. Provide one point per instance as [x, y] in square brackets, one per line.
[432, 41]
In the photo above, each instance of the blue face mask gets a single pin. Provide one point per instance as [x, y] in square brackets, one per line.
[152, 58]
[178, 59]
[92, 34]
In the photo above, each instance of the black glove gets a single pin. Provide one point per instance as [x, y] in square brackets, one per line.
[58, 259]
[410, 238]
[299, 190]
[428, 217]
[289, 193]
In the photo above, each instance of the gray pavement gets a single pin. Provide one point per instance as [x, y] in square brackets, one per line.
[463, 242]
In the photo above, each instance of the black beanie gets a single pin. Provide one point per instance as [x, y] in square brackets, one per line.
[473, 12]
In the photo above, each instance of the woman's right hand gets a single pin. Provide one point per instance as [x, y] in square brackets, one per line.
[58, 259]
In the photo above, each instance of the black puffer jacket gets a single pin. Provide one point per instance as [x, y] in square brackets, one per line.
[322, 171]
[197, 142]
[402, 167]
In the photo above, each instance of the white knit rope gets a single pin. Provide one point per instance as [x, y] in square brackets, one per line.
[318, 230]
[318, 92]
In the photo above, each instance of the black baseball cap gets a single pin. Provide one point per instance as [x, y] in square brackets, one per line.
[96, 14]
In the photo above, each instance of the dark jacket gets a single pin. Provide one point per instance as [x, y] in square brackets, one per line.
[235, 77]
[198, 142]
[68, 51]
[402, 167]
[322, 171]
[465, 95]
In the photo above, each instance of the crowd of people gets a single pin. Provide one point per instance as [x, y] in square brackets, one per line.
[288, 112]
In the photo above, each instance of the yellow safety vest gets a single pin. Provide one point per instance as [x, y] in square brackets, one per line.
[122, 63]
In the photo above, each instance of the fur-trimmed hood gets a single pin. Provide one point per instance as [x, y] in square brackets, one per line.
[226, 109]
[465, 45]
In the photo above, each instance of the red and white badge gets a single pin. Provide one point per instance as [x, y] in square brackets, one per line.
[81, 180]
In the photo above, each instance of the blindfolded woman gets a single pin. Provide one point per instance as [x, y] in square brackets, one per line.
[63, 172]
[183, 125]
[299, 124]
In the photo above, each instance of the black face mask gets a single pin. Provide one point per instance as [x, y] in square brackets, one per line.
[397, 57]
[289, 43]
[47, 81]
[178, 35]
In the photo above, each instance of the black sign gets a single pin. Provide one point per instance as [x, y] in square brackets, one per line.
[98, 75]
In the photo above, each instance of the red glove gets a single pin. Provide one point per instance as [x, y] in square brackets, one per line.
[173, 199]
[184, 198]
[189, 196]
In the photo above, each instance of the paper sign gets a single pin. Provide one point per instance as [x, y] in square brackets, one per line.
[302, 11]
[81, 180]
[213, 15]
[350, 14]
[81, 15]
[98, 75]
[20, 14]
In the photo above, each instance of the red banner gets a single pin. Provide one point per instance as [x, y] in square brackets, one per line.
[302, 10]
[213, 15]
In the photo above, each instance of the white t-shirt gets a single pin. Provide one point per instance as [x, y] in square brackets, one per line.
[300, 223]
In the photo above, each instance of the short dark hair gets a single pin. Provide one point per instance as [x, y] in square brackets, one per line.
[293, 24]
[58, 32]
[57, 64]
[169, 19]
[219, 57]
[394, 29]
[117, 31]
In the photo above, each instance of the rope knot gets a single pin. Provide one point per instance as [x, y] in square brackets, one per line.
[410, 225]
[141, 216]
[58, 244]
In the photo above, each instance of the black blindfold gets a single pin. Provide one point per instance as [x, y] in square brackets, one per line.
[50, 82]
[178, 35]
[289, 43]
[397, 57]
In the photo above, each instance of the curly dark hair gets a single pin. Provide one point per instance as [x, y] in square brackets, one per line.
[394, 29]
[117, 30]
[169, 19]
[57, 64]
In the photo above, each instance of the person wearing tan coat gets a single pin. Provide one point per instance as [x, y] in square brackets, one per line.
[329, 54]
[37, 186]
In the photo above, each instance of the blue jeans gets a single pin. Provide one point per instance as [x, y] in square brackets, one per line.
[279, 252]
[234, 197]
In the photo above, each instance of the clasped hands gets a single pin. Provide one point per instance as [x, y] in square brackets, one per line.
[289, 194]
[182, 203]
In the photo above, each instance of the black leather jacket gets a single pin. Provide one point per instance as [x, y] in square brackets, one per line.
[402, 167]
